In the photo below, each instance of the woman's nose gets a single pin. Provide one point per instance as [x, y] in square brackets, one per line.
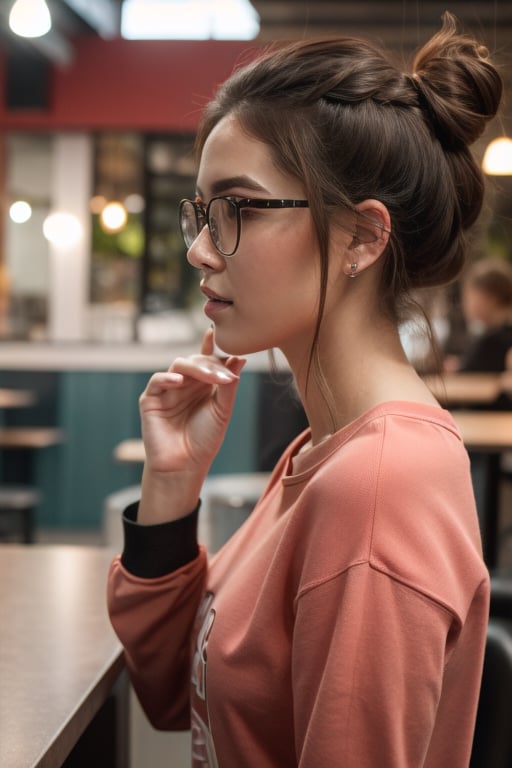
[202, 254]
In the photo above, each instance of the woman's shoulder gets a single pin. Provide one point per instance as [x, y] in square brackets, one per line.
[412, 456]
[397, 494]
[411, 432]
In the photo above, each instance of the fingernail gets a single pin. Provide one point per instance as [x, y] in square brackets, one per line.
[226, 375]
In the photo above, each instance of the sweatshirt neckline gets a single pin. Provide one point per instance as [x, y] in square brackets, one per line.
[306, 459]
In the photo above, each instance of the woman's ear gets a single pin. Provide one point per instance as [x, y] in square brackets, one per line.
[372, 227]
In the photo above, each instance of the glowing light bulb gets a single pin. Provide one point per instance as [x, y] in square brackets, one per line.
[20, 212]
[62, 229]
[113, 217]
[30, 18]
[498, 157]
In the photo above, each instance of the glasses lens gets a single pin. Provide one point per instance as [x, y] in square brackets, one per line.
[223, 223]
[189, 222]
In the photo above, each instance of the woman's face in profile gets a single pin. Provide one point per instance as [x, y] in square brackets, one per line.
[270, 284]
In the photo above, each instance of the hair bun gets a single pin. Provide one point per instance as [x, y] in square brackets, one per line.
[458, 87]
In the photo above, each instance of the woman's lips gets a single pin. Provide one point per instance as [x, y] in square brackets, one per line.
[214, 302]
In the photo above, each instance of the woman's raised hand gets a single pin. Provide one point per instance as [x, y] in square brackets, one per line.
[184, 414]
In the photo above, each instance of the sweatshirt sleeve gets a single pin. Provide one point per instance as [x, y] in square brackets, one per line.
[154, 550]
[368, 683]
[153, 592]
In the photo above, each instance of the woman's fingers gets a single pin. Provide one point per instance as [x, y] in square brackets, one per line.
[195, 371]
[235, 364]
[200, 369]
[207, 344]
[161, 382]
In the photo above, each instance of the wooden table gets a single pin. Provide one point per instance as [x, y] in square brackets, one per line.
[506, 382]
[16, 398]
[130, 452]
[18, 445]
[465, 389]
[30, 437]
[59, 657]
[485, 431]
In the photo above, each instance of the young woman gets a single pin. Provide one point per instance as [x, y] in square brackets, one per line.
[344, 624]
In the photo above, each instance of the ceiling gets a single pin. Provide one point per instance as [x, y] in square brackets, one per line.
[398, 23]
[402, 24]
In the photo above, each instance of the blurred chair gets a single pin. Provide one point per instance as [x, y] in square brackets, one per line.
[226, 501]
[17, 513]
[113, 507]
[492, 744]
[501, 596]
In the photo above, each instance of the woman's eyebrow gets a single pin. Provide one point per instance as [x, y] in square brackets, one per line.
[245, 182]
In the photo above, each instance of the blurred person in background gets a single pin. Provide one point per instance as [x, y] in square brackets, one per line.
[486, 302]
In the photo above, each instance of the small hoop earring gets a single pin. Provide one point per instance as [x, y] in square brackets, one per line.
[353, 270]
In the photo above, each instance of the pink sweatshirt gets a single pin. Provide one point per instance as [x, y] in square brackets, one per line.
[343, 626]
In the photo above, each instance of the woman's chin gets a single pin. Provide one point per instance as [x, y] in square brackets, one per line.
[236, 347]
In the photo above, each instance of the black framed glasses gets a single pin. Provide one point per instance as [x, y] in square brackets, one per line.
[222, 215]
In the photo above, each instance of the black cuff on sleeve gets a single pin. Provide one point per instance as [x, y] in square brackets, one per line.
[151, 551]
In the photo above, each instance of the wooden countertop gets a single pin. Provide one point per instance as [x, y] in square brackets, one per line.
[485, 431]
[59, 656]
[465, 388]
[130, 451]
[89, 356]
[30, 437]
[16, 398]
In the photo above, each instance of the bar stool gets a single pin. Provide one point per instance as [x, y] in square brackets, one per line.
[227, 501]
[501, 595]
[17, 512]
[492, 744]
[114, 505]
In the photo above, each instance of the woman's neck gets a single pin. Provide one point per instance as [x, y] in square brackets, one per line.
[347, 379]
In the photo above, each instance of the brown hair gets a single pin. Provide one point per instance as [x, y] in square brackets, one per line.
[494, 277]
[342, 117]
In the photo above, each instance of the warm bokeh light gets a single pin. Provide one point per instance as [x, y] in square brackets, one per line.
[97, 203]
[62, 229]
[20, 211]
[498, 157]
[134, 203]
[113, 217]
[30, 18]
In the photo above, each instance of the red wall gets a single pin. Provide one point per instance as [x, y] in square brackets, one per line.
[145, 85]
